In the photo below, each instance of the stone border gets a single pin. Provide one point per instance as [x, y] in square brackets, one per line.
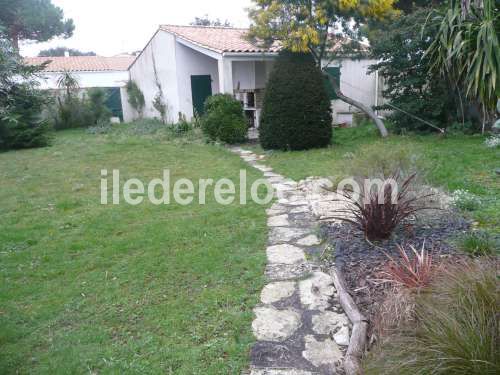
[299, 325]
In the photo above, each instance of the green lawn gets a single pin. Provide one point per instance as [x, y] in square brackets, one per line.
[88, 288]
[452, 162]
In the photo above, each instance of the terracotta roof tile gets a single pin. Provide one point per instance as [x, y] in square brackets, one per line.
[218, 39]
[82, 63]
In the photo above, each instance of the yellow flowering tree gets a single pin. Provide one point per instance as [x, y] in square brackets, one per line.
[319, 27]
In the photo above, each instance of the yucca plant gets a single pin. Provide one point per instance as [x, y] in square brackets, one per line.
[467, 48]
[377, 212]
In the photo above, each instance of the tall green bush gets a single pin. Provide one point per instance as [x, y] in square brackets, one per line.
[408, 85]
[224, 120]
[21, 104]
[296, 114]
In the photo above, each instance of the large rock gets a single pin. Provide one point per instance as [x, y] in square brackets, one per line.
[276, 325]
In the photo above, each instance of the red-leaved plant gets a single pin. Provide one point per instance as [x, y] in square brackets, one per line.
[378, 212]
[410, 270]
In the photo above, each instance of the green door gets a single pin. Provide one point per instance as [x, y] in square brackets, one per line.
[201, 89]
[114, 101]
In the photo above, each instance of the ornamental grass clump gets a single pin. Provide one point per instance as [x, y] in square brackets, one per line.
[410, 270]
[377, 212]
[455, 330]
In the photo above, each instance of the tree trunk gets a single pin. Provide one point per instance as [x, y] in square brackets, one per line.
[367, 110]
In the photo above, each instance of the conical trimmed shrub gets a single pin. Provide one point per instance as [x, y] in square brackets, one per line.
[296, 113]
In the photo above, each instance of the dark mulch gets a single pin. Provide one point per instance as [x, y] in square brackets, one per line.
[364, 262]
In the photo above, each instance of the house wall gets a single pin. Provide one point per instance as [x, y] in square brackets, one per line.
[190, 62]
[48, 81]
[161, 51]
[356, 83]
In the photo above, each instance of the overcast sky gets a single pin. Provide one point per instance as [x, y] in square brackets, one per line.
[110, 27]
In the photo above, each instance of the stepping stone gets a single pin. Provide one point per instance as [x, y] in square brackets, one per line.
[299, 210]
[278, 221]
[316, 291]
[279, 272]
[321, 353]
[271, 174]
[272, 324]
[262, 168]
[245, 152]
[274, 212]
[342, 337]
[329, 322]
[277, 291]
[311, 240]
[285, 234]
[285, 254]
[280, 371]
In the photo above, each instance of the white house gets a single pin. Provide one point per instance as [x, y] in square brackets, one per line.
[190, 63]
[110, 73]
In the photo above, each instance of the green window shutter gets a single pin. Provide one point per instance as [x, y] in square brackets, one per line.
[335, 72]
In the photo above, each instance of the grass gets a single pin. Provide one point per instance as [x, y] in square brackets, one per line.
[88, 288]
[478, 243]
[457, 162]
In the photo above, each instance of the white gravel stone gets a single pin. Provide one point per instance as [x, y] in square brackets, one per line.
[328, 322]
[271, 324]
[310, 240]
[285, 254]
[277, 291]
[278, 221]
[321, 353]
[342, 336]
[316, 291]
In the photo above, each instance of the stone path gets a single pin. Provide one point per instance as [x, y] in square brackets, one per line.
[299, 325]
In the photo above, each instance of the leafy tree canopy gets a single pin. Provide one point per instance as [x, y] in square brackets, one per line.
[205, 21]
[37, 20]
[60, 51]
[319, 27]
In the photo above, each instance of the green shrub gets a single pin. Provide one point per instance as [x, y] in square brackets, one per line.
[465, 201]
[224, 120]
[478, 244]
[455, 332]
[21, 104]
[96, 105]
[296, 113]
[379, 160]
[182, 125]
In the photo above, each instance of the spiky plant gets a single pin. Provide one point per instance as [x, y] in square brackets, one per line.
[377, 212]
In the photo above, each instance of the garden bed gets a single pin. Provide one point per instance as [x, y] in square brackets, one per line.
[363, 262]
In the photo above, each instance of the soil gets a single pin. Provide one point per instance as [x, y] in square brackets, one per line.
[363, 262]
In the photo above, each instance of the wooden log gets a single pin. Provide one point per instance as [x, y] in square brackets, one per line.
[357, 342]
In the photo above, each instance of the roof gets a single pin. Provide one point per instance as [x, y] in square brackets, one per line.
[82, 63]
[218, 39]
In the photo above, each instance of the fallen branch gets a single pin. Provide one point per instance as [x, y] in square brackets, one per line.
[357, 342]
